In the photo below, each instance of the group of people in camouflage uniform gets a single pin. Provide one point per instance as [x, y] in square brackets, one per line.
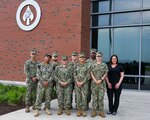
[84, 77]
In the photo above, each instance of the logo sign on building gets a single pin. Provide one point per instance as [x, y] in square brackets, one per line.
[28, 19]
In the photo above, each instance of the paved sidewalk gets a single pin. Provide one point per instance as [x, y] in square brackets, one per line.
[134, 105]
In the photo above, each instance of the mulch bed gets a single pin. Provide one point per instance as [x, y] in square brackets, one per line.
[5, 108]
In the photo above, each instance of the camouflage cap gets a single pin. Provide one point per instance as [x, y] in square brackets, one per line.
[55, 54]
[93, 50]
[82, 54]
[33, 51]
[48, 55]
[64, 57]
[99, 54]
[75, 53]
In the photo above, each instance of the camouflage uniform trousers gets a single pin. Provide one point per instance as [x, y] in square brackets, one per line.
[31, 89]
[81, 96]
[89, 92]
[54, 84]
[72, 89]
[98, 92]
[64, 96]
[43, 92]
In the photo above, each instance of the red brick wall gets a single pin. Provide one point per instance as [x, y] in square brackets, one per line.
[85, 31]
[64, 27]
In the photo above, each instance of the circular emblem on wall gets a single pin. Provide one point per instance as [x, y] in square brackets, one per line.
[28, 15]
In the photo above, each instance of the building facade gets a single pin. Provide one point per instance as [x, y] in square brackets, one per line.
[119, 27]
[122, 27]
[64, 26]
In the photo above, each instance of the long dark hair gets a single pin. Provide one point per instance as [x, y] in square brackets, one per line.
[112, 57]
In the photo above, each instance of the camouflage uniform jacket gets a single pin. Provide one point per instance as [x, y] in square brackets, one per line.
[62, 74]
[89, 62]
[72, 67]
[30, 69]
[45, 72]
[72, 64]
[81, 73]
[98, 70]
[55, 64]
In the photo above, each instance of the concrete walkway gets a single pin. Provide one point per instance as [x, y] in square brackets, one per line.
[134, 105]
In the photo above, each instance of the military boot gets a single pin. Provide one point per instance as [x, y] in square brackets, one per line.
[84, 113]
[27, 109]
[60, 111]
[68, 112]
[47, 111]
[94, 113]
[79, 113]
[102, 114]
[33, 107]
[36, 113]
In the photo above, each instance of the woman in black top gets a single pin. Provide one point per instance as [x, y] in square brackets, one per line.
[114, 84]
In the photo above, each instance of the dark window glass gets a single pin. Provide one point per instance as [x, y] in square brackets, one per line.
[126, 4]
[145, 65]
[94, 38]
[126, 46]
[145, 83]
[95, 7]
[127, 18]
[130, 83]
[95, 20]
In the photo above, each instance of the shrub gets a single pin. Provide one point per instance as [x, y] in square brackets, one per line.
[12, 95]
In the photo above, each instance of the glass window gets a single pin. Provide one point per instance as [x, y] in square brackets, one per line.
[130, 83]
[145, 83]
[146, 3]
[125, 41]
[145, 65]
[103, 20]
[95, 20]
[94, 38]
[146, 17]
[104, 6]
[126, 46]
[95, 7]
[104, 43]
[127, 18]
[101, 6]
[126, 4]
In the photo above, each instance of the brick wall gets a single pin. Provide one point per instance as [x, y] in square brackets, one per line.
[85, 24]
[64, 27]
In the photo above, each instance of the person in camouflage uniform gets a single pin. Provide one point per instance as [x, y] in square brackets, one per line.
[92, 58]
[73, 64]
[63, 86]
[45, 76]
[90, 62]
[81, 76]
[55, 63]
[30, 69]
[98, 85]
[55, 60]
